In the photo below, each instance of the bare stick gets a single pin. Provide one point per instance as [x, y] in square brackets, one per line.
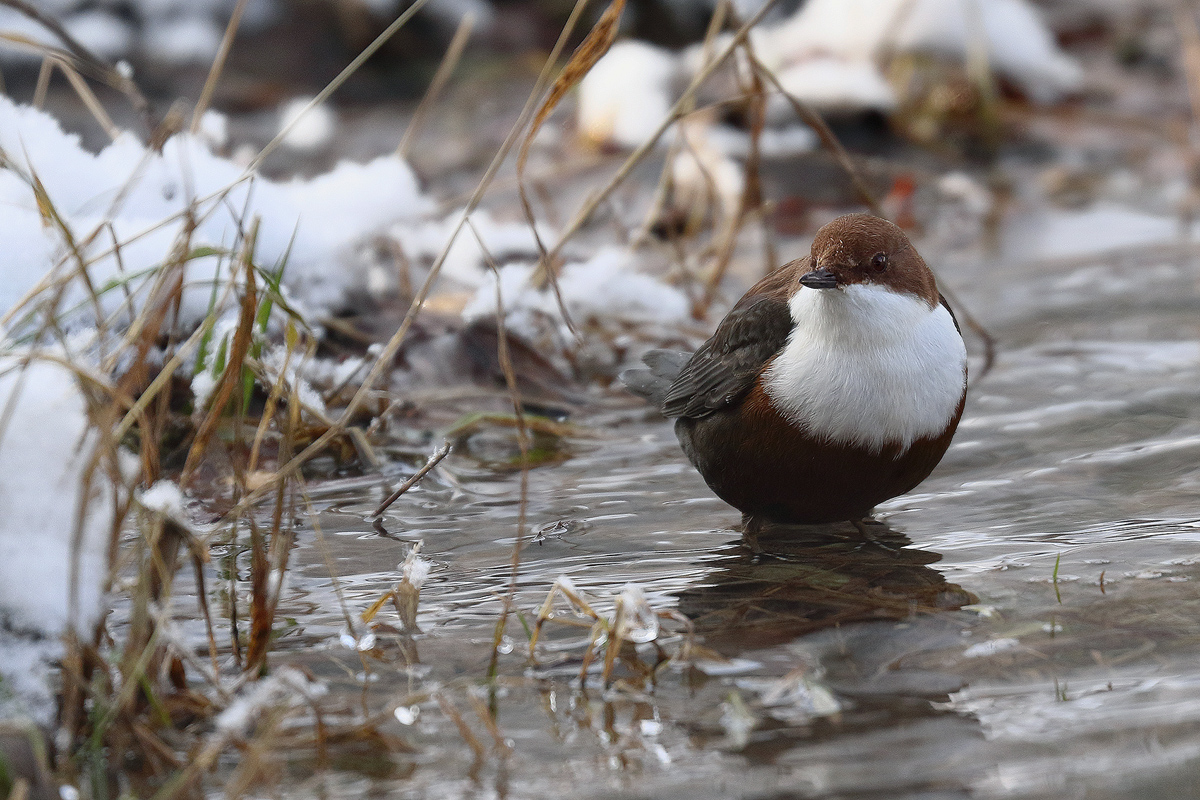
[88, 59]
[214, 72]
[444, 71]
[813, 120]
[336, 83]
[433, 461]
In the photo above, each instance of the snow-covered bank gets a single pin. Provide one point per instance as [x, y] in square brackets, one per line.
[57, 519]
[129, 210]
[833, 55]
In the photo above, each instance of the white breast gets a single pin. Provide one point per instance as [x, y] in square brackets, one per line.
[868, 366]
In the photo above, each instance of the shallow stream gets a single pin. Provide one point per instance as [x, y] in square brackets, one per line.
[1027, 624]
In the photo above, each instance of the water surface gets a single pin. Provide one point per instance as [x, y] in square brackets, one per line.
[1025, 624]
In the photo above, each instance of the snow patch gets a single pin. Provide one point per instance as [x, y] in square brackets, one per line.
[604, 289]
[311, 227]
[305, 128]
[1011, 33]
[627, 94]
[833, 85]
[45, 451]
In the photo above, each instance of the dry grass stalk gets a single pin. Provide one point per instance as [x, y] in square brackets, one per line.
[590, 50]
[432, 462]
[218, 64]
[449, 62]
[562, 586]
[464, 730]
[232, 377]
[510, 381]
[87, 59]
[45, 71]
[681, 107]
[260, 617]
[488, 718]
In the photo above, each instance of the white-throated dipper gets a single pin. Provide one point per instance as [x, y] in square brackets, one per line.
[834, 384]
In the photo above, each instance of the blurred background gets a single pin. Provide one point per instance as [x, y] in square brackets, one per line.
[1043, 156]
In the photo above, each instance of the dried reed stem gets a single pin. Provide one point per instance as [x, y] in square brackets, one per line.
[432, 462]
[218, 64]
[440, 78]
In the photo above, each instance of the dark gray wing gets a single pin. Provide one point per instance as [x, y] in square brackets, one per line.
[724, 368]
[653, 383]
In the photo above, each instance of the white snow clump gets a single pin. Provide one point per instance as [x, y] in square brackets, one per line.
[1017, 43]
[627, 94]
[130, 191]
[55, 526]
[603, 289]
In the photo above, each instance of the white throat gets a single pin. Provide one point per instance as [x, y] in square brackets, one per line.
[869, 367]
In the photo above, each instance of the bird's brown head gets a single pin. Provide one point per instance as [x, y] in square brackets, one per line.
[862, 249]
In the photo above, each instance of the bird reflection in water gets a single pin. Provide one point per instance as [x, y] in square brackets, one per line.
[784, 581]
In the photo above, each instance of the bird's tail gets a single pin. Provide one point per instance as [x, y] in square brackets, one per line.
[653, 383]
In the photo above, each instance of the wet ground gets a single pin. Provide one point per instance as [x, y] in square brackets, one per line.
[1026, 624]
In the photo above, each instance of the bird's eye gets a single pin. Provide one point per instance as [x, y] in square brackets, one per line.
[879, 262]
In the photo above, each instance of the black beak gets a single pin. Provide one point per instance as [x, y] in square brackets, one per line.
[819, 279]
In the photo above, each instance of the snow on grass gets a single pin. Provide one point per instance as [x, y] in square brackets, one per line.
[140, 199]
[129, 213]
[55, 527]
[128, 208]
[604, 289]
[165, 497]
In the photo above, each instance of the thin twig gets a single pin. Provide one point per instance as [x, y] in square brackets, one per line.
[444, 71]
[433, 461]
[89, 60]
[336, 83]
[214, 72]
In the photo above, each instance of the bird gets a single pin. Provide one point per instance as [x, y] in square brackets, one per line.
[834, 384]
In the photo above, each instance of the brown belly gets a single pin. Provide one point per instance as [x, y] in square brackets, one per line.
[761, 464]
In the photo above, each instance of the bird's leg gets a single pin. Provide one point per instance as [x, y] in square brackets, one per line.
[751, 527]
[861, 525]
